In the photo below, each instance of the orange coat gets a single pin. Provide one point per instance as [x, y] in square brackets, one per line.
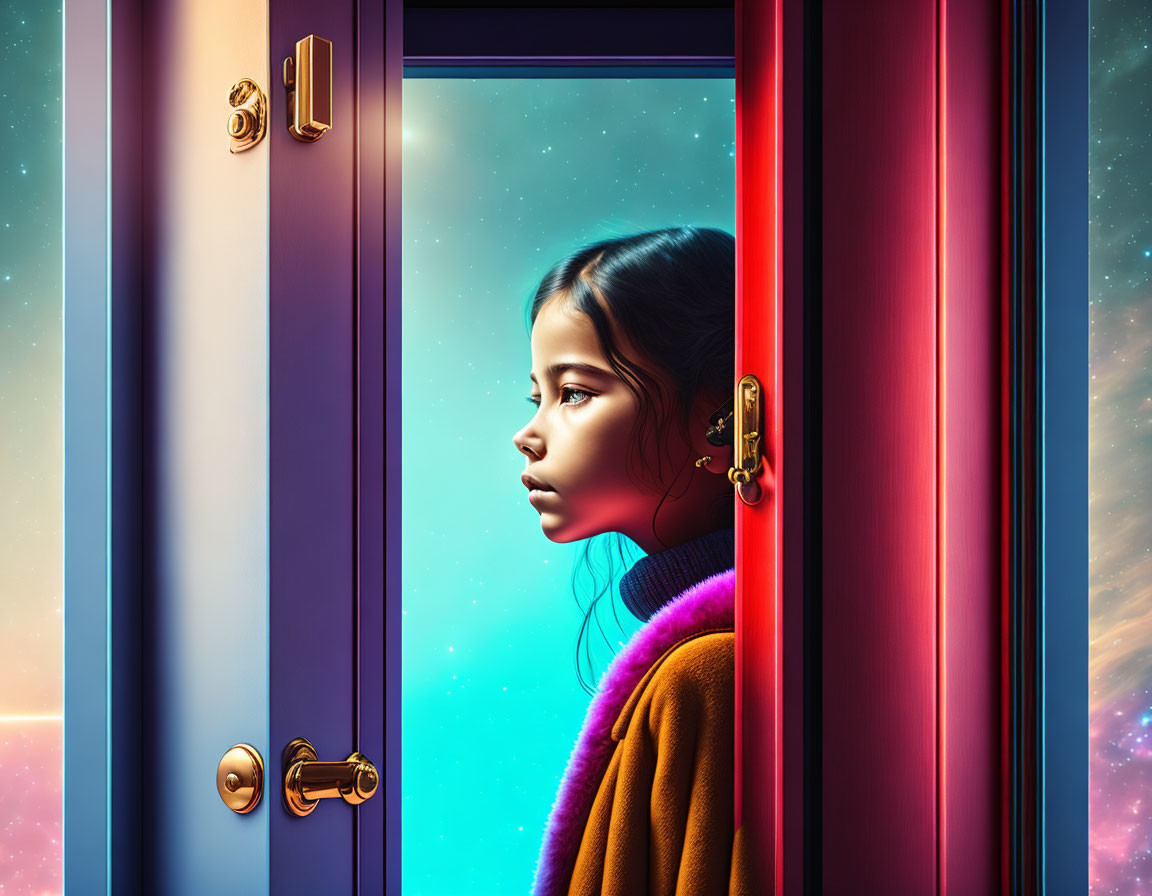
[660, 819]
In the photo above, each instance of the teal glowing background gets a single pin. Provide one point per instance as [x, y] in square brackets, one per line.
[501, 178]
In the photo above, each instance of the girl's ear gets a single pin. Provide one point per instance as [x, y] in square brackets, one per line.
[704, 407]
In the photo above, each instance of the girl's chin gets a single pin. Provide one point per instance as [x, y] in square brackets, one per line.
[558, 528]
[556, 531]
[562, 531]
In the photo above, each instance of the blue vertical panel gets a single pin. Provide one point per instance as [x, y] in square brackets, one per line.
[1064, 448]
[102, 313]
[86, 439]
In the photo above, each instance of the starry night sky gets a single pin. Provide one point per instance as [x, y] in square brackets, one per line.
[31, 513]
[1120, 448]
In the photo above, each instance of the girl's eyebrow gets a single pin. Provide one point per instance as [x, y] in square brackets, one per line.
[556, 369]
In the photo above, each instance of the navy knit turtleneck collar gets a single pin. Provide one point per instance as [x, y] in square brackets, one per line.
[657, 578]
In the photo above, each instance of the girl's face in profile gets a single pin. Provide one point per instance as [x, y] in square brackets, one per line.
[577, 441]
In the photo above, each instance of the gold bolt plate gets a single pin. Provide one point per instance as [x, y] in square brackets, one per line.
[240, 778]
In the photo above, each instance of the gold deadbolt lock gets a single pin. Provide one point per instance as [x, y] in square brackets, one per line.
[307, 781]
[240, 778]
[308, 78]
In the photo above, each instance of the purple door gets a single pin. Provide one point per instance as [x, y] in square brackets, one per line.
[263, 397]
[326, 447]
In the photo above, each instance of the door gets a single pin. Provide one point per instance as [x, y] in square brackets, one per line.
[909, 465]
[326, 373]
[264, 437]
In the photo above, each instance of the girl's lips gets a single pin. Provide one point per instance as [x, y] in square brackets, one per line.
[536, 495]
[533, 484]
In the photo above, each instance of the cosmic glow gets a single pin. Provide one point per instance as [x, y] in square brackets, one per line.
[1120, 449]
[31, 448]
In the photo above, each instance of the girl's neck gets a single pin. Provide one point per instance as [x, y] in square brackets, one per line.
[657, 578]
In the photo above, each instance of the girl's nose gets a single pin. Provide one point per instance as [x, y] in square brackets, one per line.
[528, 444]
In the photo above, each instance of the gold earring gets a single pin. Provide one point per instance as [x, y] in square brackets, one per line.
[706, 459]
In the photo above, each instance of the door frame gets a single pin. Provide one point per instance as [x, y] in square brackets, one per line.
[632, 40]
[104, 365]
[565, 43]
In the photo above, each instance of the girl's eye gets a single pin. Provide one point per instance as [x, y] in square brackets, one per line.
[568, 391]
[565, 393]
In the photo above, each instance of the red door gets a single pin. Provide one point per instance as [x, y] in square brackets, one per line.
[869, 184]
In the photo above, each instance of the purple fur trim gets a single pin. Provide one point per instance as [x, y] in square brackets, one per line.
[706, 605]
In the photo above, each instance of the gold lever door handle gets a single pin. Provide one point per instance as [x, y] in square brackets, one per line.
[308, 78]
[307, 781]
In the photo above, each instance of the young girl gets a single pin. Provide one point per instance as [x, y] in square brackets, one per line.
[632, 365]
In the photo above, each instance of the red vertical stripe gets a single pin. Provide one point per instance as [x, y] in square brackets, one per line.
[759, 701]
[1005, 445]
[969, 505]
[775, 413]
[941, 444]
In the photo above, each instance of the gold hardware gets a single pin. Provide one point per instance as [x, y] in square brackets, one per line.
[706, 459]
[308, 78]
[249, 118]
[240, 778]
[307, 781]
[749, 414]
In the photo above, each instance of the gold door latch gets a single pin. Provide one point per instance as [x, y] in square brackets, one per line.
[307, 781]
[308, 78]
[747, 446]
